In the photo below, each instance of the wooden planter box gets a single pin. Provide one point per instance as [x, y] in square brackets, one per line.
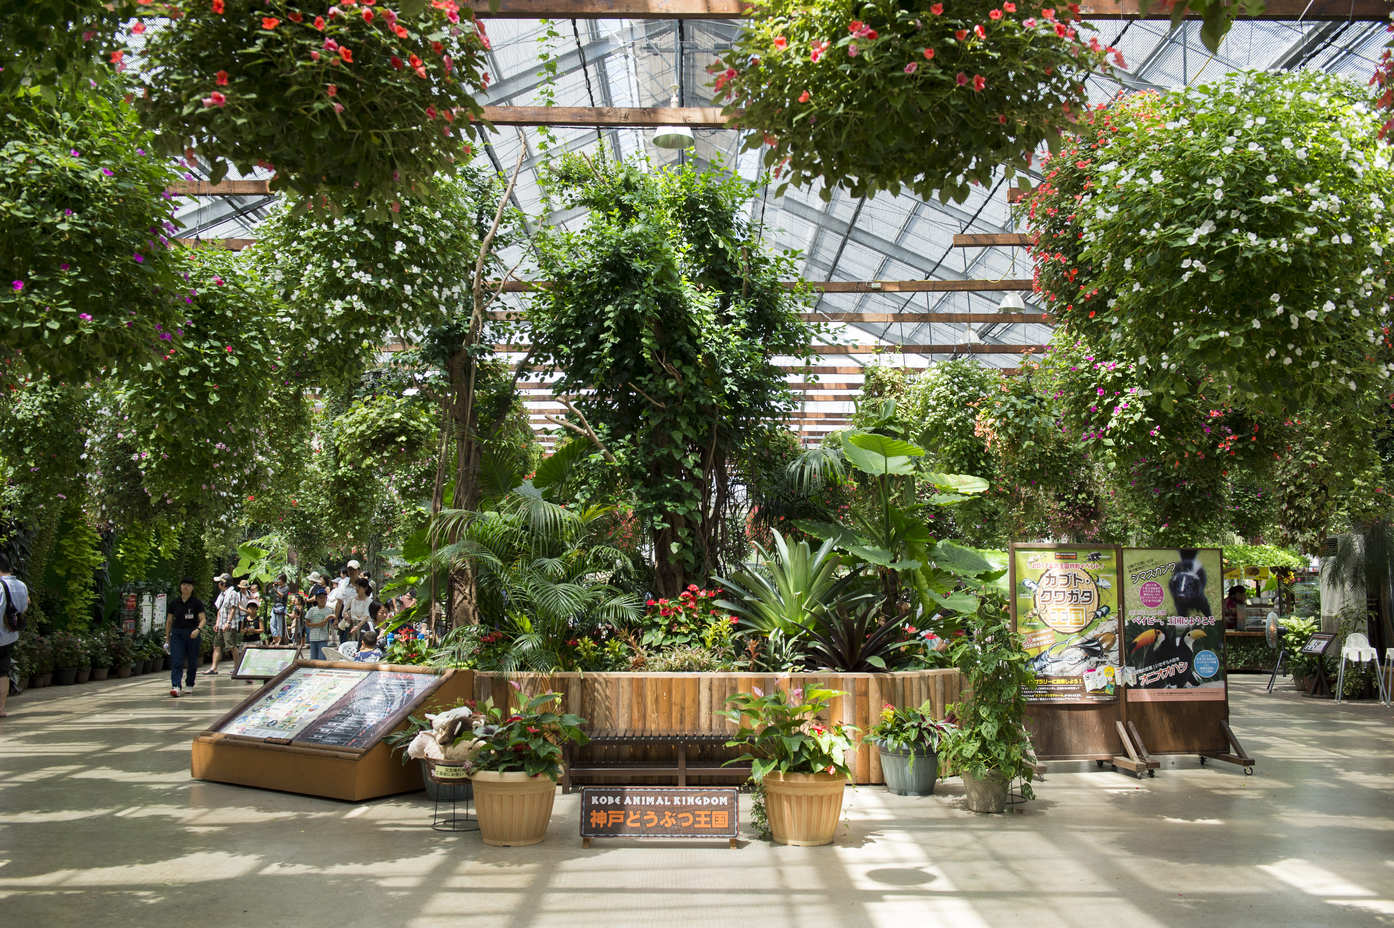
[689, 702]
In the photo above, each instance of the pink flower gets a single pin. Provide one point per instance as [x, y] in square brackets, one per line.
[16, 285]
[85, 317]
[961, 78]
[757, 691]
[803, 97]
[980, 32]
[912, 67]
[215, 99]
[937, 9]
[960, 34]
[819, 49]
[928, 54]
[994, 15]
[852, 50]
[781, 43]
[1009, 6]
[979, 82]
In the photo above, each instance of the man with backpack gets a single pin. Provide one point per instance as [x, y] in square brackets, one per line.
[16, 603]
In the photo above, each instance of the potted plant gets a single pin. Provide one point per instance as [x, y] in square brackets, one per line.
[426, 738]
[1303, 667]
[797, 759]
[515, 767]
[989, 747]
[908, 740]
[84, 659]
[40, 661]
[68, 654]
[99, 652]
[122, 653]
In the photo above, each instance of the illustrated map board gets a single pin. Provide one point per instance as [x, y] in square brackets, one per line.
[263, 663]
[318, 728]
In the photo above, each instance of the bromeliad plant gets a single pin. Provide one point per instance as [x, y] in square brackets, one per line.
[875, 95]
[908, 729]
[781, 732]
[529, 739]
[356, 99]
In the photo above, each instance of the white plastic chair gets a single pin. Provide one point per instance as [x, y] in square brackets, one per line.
[1357, 650]
[348, 649]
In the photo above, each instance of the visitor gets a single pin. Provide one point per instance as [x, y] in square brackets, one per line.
[16, 596]
[252, 628]
[368, 650]
[184, 619]
[295, 619]
[280, 599]
[1234, 602]
[225, 627]
[352, 613]
[317, 619]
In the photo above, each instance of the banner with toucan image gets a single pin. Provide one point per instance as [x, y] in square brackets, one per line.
[1065, 604]
[1173, 628]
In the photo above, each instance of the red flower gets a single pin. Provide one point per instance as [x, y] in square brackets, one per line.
[430, 112]
[220, 78]
[1048, 13]
[1009, 6]
[116, 56]
[138, 28]
[651, 602]
[928, 53]
[367, 16]
[215, 99]
[296, 17]
[980, 32]
[269, 22]
[346, 53]
[218, 7]
[979, 82]
[332, 90]
[961, 78]
[960, 34]
[437, 47]
[803, 97]
[780, 42]
[396, 62]
[400, 30]
[994, 15]
[319, 23]
[937, 9]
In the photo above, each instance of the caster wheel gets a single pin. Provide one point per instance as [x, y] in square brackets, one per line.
[1099, 764]
[1248, 771]
[1202, 760]
[1152, 773]
[1115, 767]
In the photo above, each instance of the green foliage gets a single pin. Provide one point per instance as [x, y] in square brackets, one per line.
[33, 655]
[991, 739]
[1296, 632]
[782, 732]
[123, 648]
[858, 640]
[874, 95]
[1217, 16]
[40, 450]
[664, 322]
[908, 729]
[681, 621]
[58, 44]
[1262, 556]
[690, 659]
[789, 587]
[68, 588]
[69, 652]
[357, 103]
[1228, 240]
[527, 739]
[1249, 654]
[88, 284]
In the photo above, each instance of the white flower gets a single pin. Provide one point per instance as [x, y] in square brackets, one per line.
[1311, 314]
[1271, 178]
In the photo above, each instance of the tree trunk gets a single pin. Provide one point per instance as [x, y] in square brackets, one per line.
[464, 593]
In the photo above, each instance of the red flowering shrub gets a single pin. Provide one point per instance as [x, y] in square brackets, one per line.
[674, 623]
[319, 93]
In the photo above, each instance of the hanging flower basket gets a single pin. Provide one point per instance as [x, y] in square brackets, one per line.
[926, 95]
[355, 100]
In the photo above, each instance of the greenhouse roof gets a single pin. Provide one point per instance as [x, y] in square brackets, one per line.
[643, 62]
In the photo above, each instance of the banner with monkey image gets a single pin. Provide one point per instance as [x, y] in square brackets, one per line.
[1174, 630]
[1065, 604]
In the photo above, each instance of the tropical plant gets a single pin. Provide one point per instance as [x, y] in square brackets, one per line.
[354, 101]
[99, 649]
[789, 587]
[680, 622]
[782, 733]
[858, 639]
[69, 651]
[527, 739]
[123, 651]
[1297, 631]
[543, 580]
[1232, 232]
[908, 729]
[990, 740]
[874, 95]
[664, 322]
[60, 44]
[88, 284]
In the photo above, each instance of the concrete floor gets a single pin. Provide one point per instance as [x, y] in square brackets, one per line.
[101, 825]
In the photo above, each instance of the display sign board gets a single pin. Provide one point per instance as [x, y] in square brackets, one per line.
[263, 663]
[659, 812]
[1065, 604]
[1318, 643]
[339, 707]
[1173, 630]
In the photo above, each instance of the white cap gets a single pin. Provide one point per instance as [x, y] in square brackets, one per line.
[354, 565]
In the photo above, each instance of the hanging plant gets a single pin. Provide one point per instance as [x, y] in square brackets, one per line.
[355, 100]
[923, 94]
[50, 44]
[1236, 233]
[84, 252]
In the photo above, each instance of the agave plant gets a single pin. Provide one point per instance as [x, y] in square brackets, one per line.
[857, 641]
[790, 588]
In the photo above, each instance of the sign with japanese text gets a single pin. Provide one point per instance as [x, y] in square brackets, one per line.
[659, 811]
[1173, 629]
[1065, 604]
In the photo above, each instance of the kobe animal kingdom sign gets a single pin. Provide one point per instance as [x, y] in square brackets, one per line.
[700, 812]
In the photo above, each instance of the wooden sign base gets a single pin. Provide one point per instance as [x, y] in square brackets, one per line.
[1137, 761]
[1235, 755]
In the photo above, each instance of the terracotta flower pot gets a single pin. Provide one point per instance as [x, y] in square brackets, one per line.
[513, 808]
[122, 672]
[100, 673]
[83, 675]
[985, 794]
[803, 808]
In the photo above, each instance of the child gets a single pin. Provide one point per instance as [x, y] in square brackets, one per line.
[368, 650]
[317, 619]
[252, 627]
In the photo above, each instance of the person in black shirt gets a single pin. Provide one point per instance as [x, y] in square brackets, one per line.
[184, 619]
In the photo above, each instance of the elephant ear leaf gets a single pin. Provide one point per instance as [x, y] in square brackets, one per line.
[958, 484]
[880, 455]
[957, 602]
[960, 559]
